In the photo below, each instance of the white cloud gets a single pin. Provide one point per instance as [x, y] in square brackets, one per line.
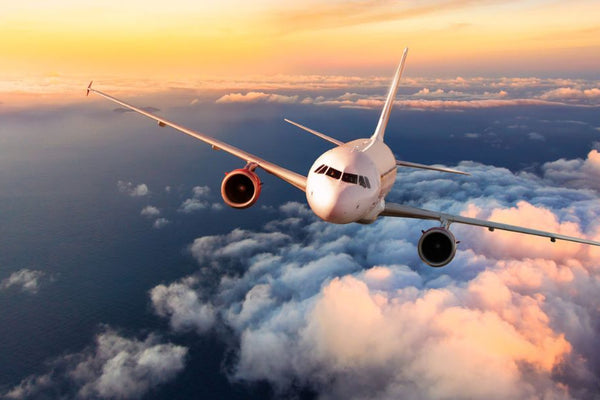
[27, 280]
[116, 367]
[132, 189]
[190, 205]
[253, 97]
[160, 223]
[198, 201]
[180, 302]
[575, 173]
[351, 312]
[150, 212]
[200, 191]
[571, 93]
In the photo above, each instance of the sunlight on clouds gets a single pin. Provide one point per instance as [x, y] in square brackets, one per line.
[509, 318]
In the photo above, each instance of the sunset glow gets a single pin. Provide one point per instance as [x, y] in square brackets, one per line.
[185, 38]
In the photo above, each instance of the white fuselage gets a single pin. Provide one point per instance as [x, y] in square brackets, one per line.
[349, 183]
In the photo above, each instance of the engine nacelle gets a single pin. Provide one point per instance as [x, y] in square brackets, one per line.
[437, 247]
[240, 188]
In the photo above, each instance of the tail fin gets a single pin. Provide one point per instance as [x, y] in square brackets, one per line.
[387, 108]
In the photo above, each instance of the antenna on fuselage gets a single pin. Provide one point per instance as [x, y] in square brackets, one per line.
[389, 102]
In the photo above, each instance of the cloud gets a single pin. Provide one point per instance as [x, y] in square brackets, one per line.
[577, 173]
[354, 100]
[253, 97]
[150, 212]
[133, 190]
[160, 223]
[342, 14]
[536, 136]
[566, 93]
[198, 201]
[180, 301]
[116, 367]
[350, 311]
[27, 280]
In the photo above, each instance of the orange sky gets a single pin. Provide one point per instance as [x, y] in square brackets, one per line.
[194, 38]
[72, 41]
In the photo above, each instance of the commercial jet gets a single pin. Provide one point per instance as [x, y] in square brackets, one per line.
[348, 183]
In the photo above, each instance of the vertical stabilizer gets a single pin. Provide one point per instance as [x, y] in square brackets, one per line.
[389, 102]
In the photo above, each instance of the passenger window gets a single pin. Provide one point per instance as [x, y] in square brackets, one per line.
[334, 173]
[321, 169]
[350, 178]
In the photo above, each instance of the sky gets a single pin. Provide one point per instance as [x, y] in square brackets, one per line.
[123, 275]
[189, 38]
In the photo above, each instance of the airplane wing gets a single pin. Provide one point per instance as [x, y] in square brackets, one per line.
[399, 210]
[290, 177]
[430, 167]
[316, 133]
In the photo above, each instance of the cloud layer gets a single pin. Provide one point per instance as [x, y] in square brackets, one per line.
[350, 311]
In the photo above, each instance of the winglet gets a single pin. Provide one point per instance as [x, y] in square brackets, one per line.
[88, 88]
[387, 108]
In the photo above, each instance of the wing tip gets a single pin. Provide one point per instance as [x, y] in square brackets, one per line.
[89, 87]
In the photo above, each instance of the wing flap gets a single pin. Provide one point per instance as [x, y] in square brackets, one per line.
[399, 210]
[290, 177]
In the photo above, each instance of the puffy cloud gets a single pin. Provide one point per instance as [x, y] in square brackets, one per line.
[351, 312]
[200, 191]
[27, 280]
[575, 173]
[571, 93]
[180, 301]
[192, 204]
[198, 201]
[150, 212]
[132, 189]
[116, 367]
[253, 97]
[160, 223]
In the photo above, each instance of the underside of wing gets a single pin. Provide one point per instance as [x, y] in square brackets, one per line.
[399, 210]
[290, 177]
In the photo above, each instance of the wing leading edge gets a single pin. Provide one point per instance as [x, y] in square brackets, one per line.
[290, 177]
[399, 210]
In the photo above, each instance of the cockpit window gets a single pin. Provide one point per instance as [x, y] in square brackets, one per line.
[346, 176]
[321, 169]
[364, 182]
[334, 173]
[350, 178]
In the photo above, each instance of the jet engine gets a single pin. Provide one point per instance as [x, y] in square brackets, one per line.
[437, 246]
[240, 188]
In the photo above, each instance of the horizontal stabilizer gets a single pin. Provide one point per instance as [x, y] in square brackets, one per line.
[430, 167]
[316, 133]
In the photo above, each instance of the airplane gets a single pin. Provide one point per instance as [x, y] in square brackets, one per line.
[348, 183]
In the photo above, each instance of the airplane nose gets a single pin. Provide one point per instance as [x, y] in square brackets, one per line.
[332, 204]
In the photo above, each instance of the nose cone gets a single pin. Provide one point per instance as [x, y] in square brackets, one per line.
[333, 203]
